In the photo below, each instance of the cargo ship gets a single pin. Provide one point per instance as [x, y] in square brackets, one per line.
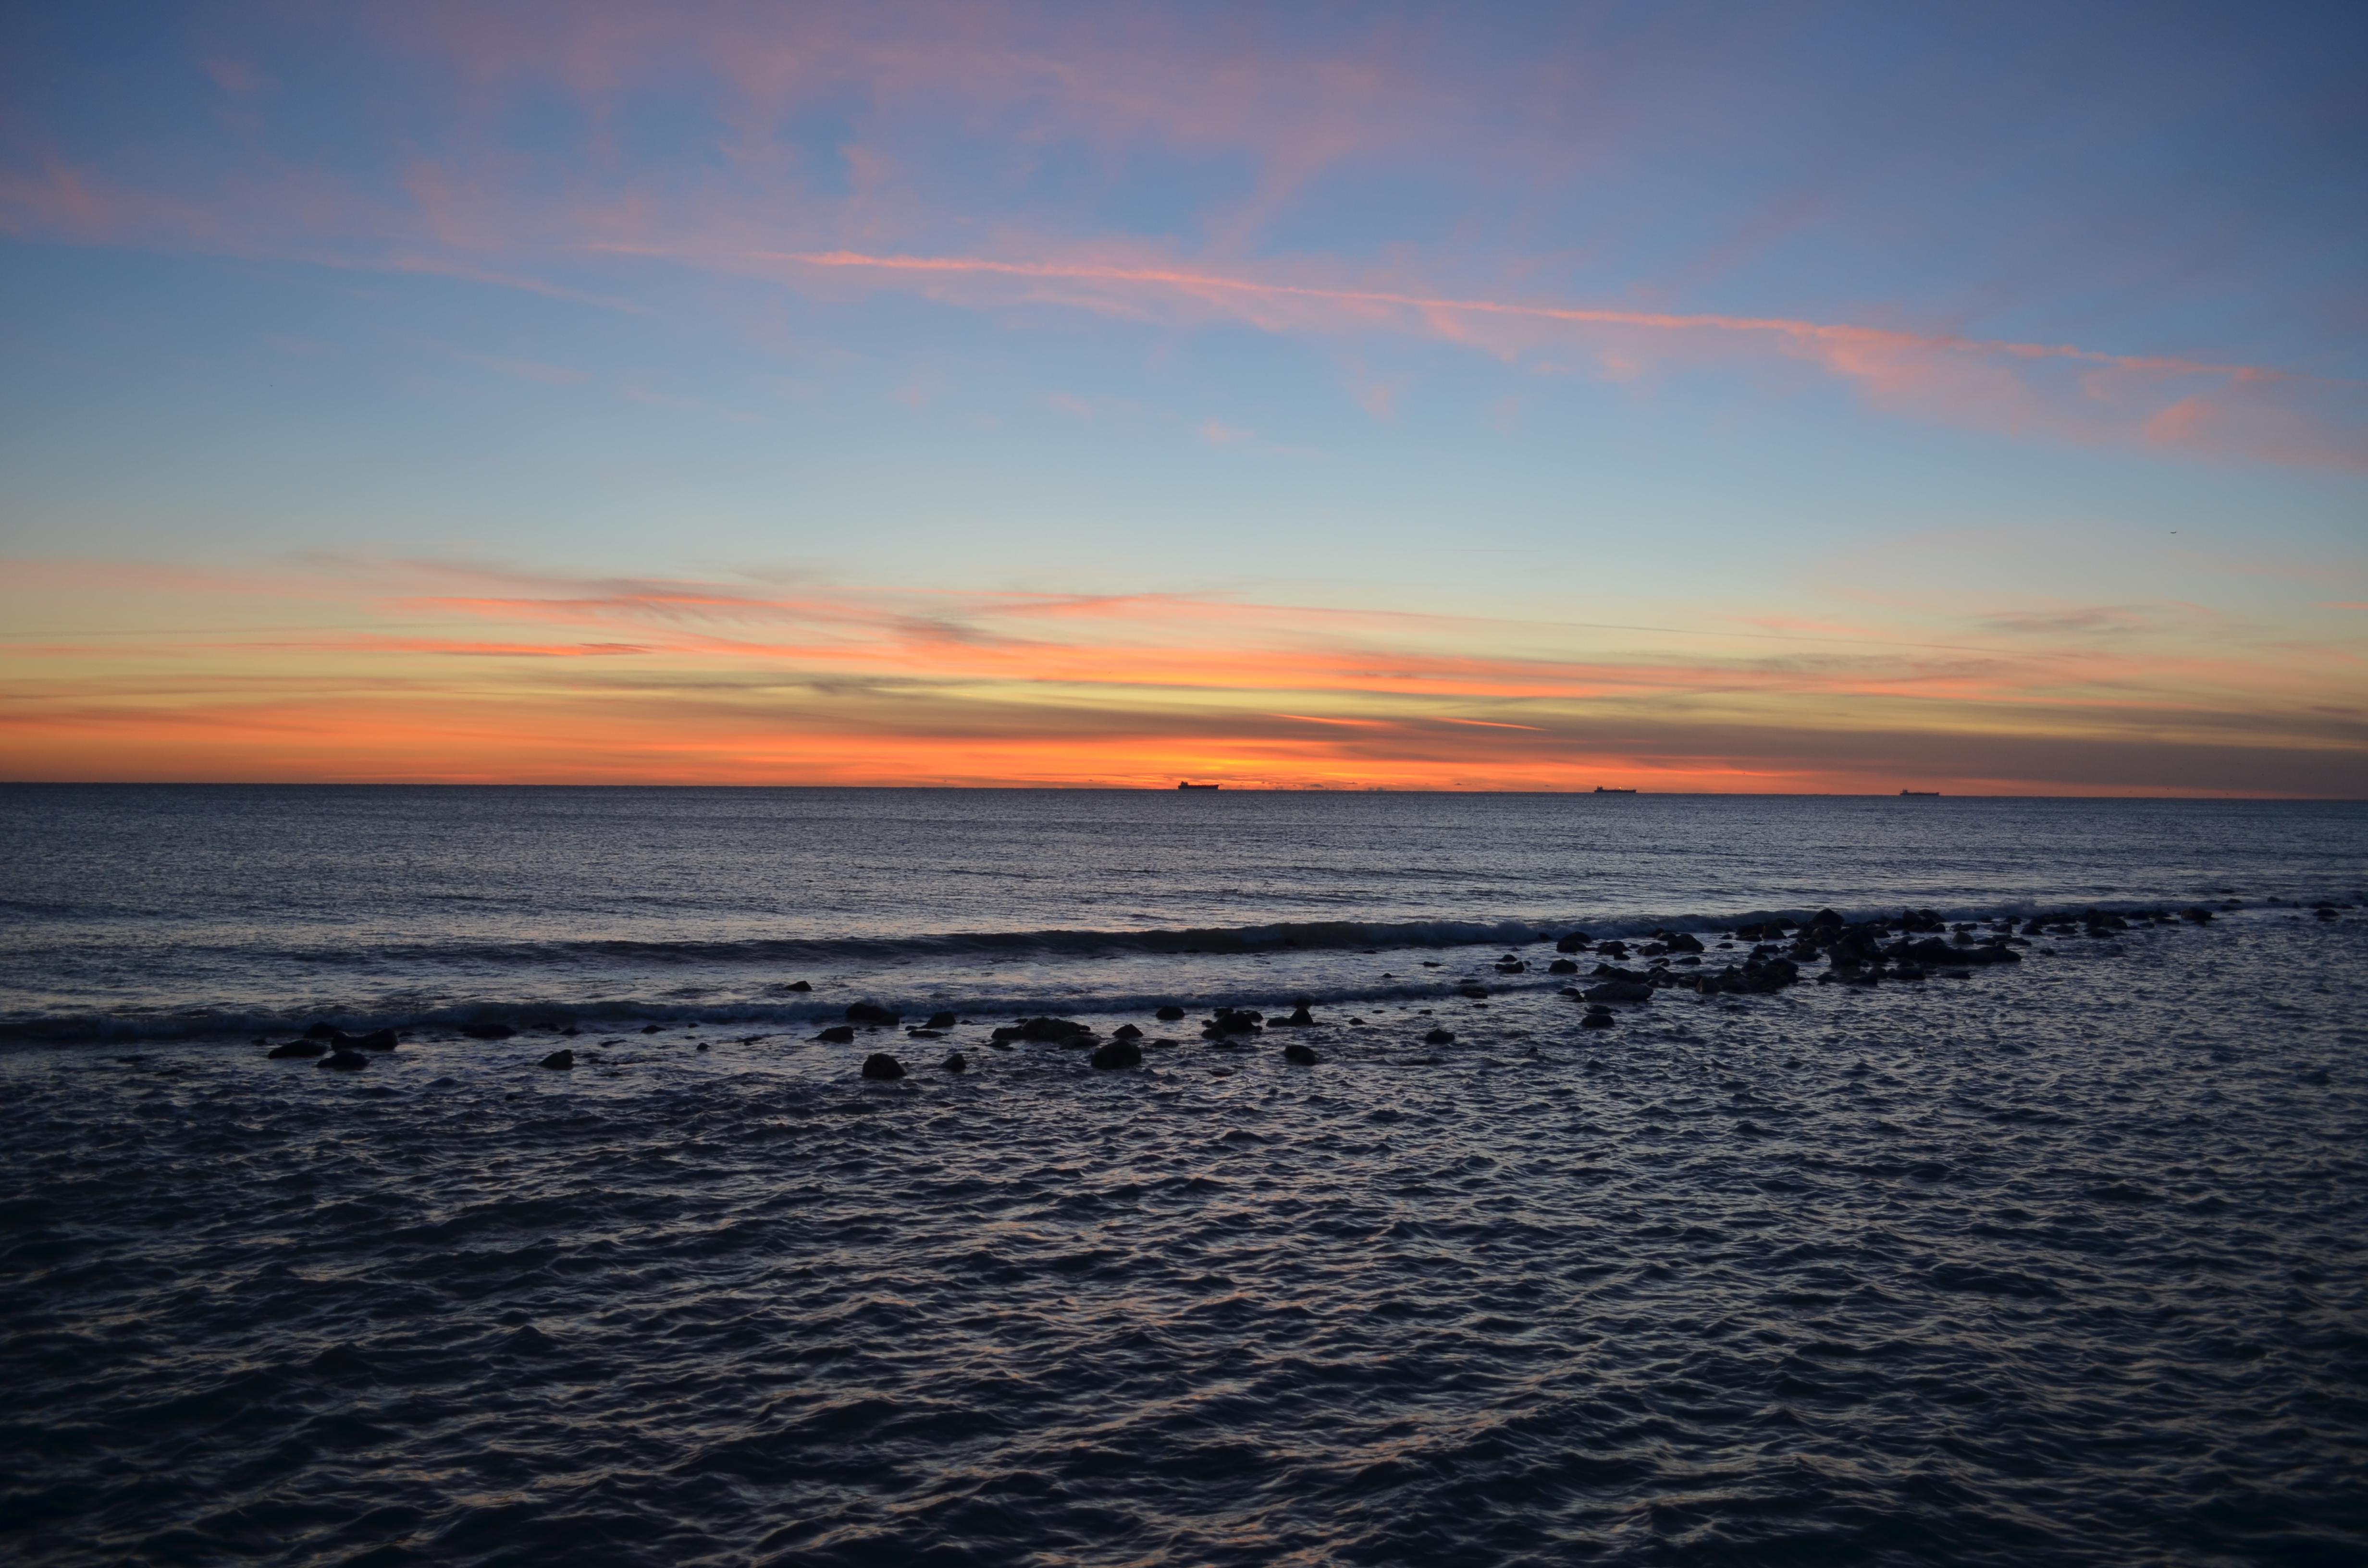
[1180, 785]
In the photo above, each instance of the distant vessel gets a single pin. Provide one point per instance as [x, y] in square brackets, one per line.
[1922, 794]
[1184, 785]
[1601, 790]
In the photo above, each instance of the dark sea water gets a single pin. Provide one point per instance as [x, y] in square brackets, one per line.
[2065, 1262]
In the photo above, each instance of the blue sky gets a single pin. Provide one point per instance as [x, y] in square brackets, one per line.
[1952, 386]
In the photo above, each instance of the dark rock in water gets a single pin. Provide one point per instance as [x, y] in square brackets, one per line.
[871, 1014]
[1991, 953]
[1597, 1021]
[322, 1031]
[650, 1028]
[880, 1064]
[1439, 1037]
[1826, 920]
[2198, 915]
[837, 1034]
[1053, 1031]
[1232, 1021]
[1302, 1017]
[925, 1034]
[798, 986]
[1302, 1054]
[345, 1060]
[487, 1032]
[1169, 1014]
[957, 1063]
[1576, 942]
[1512, 966]
[1619, 991]
[1562, 966]
[941, 1021]
[377, 1039]
[1475, 992]
[702, 1044]
[558, 1059]
[1612, 949]
[1126, 1031]
[1682, 942]
[305, 1049]
[1118, 1053]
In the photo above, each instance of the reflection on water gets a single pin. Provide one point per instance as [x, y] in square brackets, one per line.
[2063, 1265]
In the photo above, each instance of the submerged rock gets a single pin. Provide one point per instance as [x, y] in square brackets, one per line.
[377, 1039]
[941, 1021]
[345, 1060]
[837, 1034]
[1597, 1021]
[871, 1014]
[1118, 1053]
[882, 1066]
[798, 986]
[1576, 942]
[957, 1063]
[558, 1059]
[1439, 1037]
[305, 1048]
[1304, 1055]
[1562, 966]
[487, 1032]
[1169, 1014]
[1619, 991]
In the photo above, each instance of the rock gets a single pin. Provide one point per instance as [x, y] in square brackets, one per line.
[1612, 949]
[1619, 991]
[377, 1039]
[1511, 966]
[1169, 1014]
[558, 1059]
[1993, 953]
[1302, 1017]
[1597, 1021]
[322, 1031]
[1053, 1031]
[1439, 1037]
[345, 1060]
[882, 1065]
[1682, 942]
[305, 1048]
[1229, 1021]
[957, 1063]
[1474, 992]
[2198, 915]
[871, 1014]
[1562, 966]
[487, 1032]
[1301, 1054]
[941, 1021]
[1118, 1053]
[837, 1034]
[798, 986]
[650, 1028]
[1825, 920]
[1126, 1031]
[1576, 942]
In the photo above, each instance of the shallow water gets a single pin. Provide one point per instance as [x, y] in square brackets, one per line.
[132, 912]
[2064, 1263]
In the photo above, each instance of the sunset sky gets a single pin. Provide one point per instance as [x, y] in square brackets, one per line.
[1685, 397]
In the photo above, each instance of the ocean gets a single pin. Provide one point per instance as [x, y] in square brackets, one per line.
[2051, 1249]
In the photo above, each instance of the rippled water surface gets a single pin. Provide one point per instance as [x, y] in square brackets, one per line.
[2067, 1262]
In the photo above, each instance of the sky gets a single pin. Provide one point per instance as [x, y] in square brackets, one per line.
[1769, 398]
